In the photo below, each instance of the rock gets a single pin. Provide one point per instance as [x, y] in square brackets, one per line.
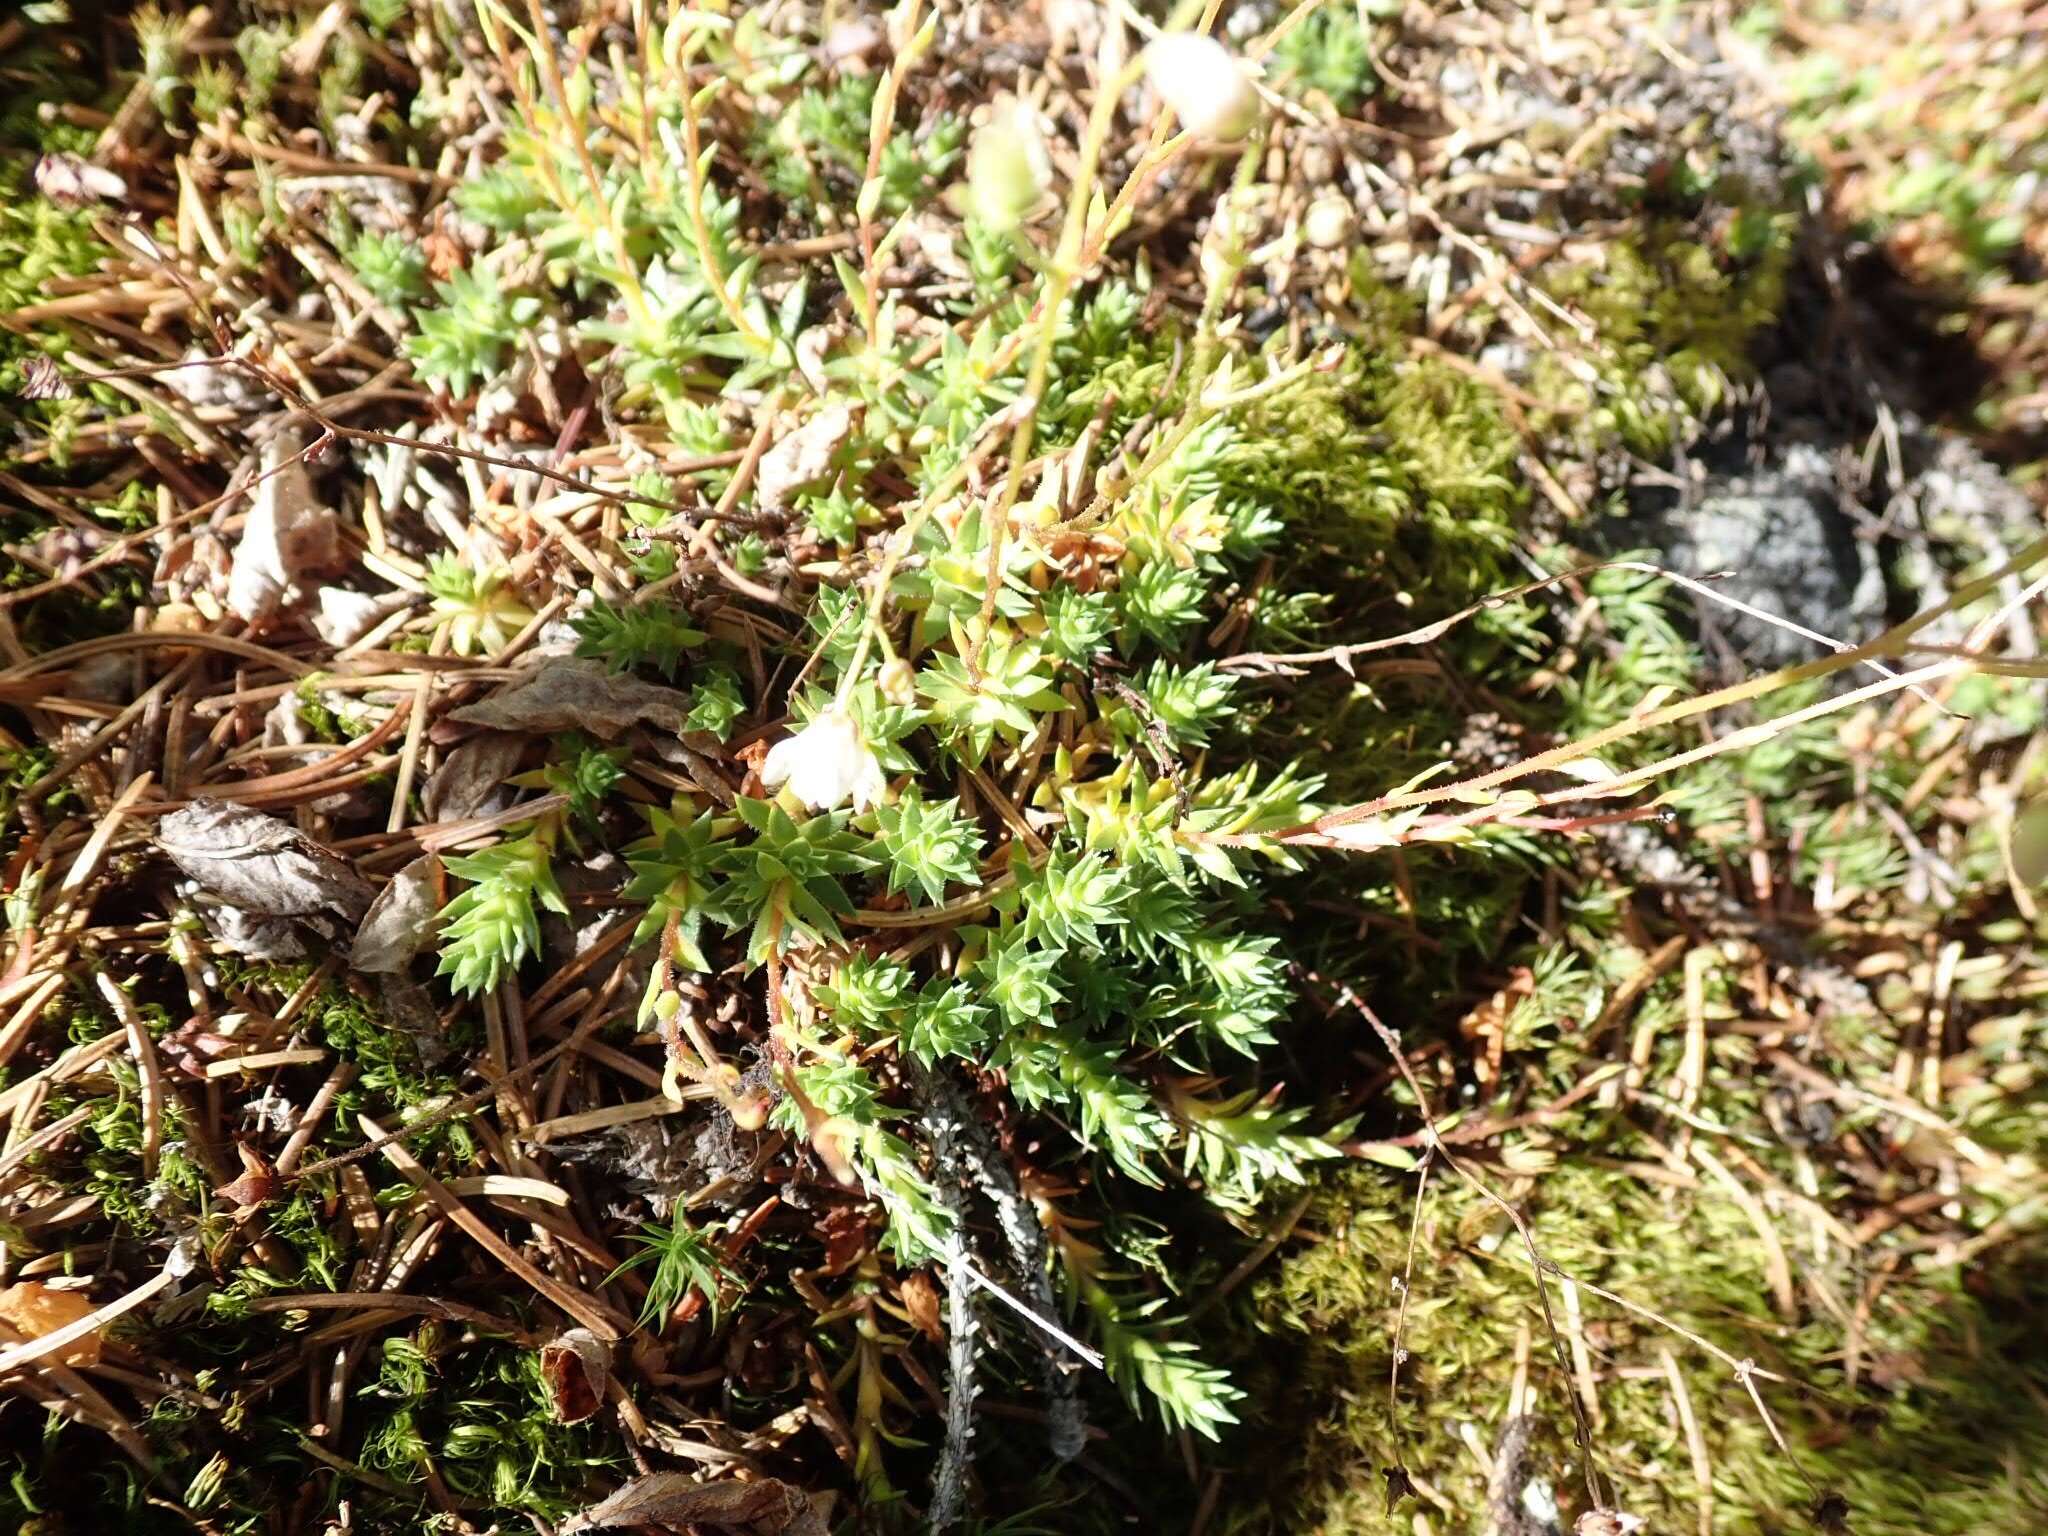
[1778, 539]
[1961, 495]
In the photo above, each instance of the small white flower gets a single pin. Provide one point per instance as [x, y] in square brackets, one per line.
[71, 181]
[1008, 168]
[825, 764]
[1204, 84]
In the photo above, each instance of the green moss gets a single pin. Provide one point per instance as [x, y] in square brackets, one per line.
[478, 1415]
[1930, 1439]
[1672, 316]
[1329, 53]
[39, 241]
[1927, 1445]
[395, 1078]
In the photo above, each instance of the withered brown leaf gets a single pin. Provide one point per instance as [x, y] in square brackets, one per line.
[671, 1500]
[576, 1369]
[31, 1309]
[569, 694]
[920, 1299]
[260, 864]
[400, 920]
[802, 458]
[42, 380]
[254, 1188]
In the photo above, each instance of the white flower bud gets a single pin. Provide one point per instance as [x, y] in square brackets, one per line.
[1327, 224]
[1008, 168]
[899, 683]
[2030, 843]
[826, 764]
[1204, 84]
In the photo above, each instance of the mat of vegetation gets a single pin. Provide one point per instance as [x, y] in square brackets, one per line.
[1058, 767]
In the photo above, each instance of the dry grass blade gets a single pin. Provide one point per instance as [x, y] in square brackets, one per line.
[591, 1314]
